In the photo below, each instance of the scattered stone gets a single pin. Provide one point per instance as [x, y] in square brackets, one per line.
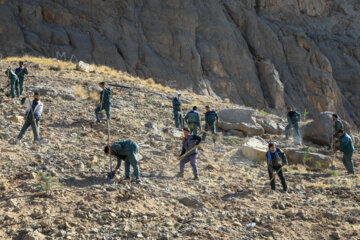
[32, 175]
[15, 119]
[84, 67]
[290, 213]
[255, 149]
[34, 236]
[191, 201]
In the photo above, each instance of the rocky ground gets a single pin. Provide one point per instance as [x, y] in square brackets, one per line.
[232, 200]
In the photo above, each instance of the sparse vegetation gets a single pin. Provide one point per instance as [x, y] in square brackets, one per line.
[226, 100]
[333, 173]
[232, 141]
[306, 157]
[262, 111]
[47, 182]
[305, 114]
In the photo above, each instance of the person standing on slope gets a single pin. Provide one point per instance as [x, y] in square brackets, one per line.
[176, 102]
[14, 82]
[293, 118]
[193, 121]
[21, 73]
[105, 102]
[337, 125]
[211, 119]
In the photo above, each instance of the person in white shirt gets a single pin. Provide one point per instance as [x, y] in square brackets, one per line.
[32, 117]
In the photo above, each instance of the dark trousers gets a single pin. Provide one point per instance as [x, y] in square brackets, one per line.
[281, 176]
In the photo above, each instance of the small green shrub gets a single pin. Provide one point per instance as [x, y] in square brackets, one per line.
[47, 182]
[307, 157]
[232, 141]
[333, 173]
[318, 165]
[262, 111]
[305, 114]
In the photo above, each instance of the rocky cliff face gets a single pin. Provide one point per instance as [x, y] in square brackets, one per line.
[308, 50]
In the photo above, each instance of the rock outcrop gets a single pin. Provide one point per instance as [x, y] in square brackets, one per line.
[264, 54]
[319, 130]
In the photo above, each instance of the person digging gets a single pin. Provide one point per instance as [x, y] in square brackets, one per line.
[276, 159]
[105, 102]
[345, 144]
[32, 118]
[127, 151]
[189, 153]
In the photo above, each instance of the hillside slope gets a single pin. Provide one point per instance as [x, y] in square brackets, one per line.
[82, 204]
[308, 50]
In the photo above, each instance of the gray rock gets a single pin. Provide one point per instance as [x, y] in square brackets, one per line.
[315, 160]
[243, 115]
[255, 149]
[319, 130]
[236, 133]
[274, 88]
[84, 67]
[269, 125]
[312, 45]
[191, 201]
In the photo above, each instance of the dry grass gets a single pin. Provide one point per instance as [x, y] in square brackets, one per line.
[43, 61]
[316, 185]
[82, 93]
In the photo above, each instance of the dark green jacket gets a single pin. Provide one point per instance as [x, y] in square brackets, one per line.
[123, 149]
[346, 144]
[176, 104]
[293, 117]
[21, 73]
[193, 117]
[338, 125]
[211, 117]
[107, 94]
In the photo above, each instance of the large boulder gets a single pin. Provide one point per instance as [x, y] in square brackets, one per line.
[255, 149]
[236, 115]
[240, 119]
[320, 128]
[314, 160]
[269, 125]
